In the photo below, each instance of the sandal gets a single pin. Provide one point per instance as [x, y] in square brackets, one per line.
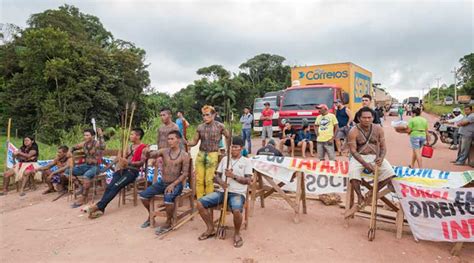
[96, 214]
[48, 191]
[145, 224]
[161, 230]
[76, 205]
[238, 243]
[206, 235]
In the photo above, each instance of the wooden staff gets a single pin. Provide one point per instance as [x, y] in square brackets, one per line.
[9, 126]
[221, 228]
[373, 214]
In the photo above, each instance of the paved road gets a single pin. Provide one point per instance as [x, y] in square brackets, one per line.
[399, 151]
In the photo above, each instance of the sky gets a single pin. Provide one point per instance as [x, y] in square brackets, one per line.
[406, 45]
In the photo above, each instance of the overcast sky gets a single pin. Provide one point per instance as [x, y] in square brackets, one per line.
[406, 44]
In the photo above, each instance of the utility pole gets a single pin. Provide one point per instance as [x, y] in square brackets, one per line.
[438, 79]
[455, 82]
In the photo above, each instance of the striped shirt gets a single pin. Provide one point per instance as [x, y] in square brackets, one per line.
[163, 132]
[210, 135]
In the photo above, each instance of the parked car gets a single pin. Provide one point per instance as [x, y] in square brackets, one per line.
[448, 100]
[393, 109]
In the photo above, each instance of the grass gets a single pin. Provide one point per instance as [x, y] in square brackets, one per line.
[74, 136]
[439, 109]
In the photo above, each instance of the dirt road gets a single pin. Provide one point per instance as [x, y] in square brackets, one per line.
[34, 229]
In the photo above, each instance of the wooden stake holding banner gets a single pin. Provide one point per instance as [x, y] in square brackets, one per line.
[277, 188]
[373, 215]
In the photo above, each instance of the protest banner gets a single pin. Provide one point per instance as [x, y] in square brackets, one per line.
[282, 168]
[438, 214]
[10, 157]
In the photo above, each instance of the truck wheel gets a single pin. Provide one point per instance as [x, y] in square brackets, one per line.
[433, 138]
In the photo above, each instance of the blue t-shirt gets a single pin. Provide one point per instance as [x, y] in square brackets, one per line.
[303, 136]
[179, 122]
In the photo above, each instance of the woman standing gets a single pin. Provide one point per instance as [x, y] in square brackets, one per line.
[418, 131]
[27, 158]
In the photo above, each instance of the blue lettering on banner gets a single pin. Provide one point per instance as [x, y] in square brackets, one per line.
[362, 86]
[321, 74]
[401, 172]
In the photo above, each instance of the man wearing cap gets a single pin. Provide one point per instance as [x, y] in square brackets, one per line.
[344, 119]
[267, 117]
[325, 128]
[269, 149]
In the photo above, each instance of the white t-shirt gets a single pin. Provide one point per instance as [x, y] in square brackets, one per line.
[240, 167]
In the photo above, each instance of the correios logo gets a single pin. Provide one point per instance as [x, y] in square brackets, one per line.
[321, 74]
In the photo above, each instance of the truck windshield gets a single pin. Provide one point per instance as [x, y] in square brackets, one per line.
[258, 105]
[307, 99]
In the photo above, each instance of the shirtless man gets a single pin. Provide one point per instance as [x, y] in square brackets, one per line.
[175, 171]
[126, 172]
[93, 153]
[167, 126]
[209, 133]
[367, 146]
[56, 180]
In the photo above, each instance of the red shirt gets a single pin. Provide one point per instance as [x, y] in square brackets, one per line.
[267, 113]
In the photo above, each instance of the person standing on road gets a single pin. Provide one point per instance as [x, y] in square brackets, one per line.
[209, 133]
[466, 131]
[246, 120]
[344, 120]
[167, 125]
[419, 136]
[367, 102]
[400, 112]
[183, 125]
[267, 118]
[325, 128]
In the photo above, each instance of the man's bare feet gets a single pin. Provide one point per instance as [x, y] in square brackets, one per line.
[48, 191]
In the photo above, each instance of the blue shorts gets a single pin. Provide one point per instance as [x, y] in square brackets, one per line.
[86, 170]
[159, 188]
[235, 201]
[417, 142]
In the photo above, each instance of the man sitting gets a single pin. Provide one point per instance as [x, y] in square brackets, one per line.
[288, 137]
[269, 149]
[175, 170]
[239, 175]
[126, 172]
[367, 146]
[56, 180]
[89, 169]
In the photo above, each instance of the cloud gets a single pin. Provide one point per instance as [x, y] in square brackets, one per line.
[405, 44]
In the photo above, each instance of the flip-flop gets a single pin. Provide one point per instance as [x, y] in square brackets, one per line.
[238, 243]
[161, 230]
[145, 224]
[205, 236]
[75, 205]
[96, 214]
[22, 194]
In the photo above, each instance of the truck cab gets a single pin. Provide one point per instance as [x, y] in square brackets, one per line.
[298, 103]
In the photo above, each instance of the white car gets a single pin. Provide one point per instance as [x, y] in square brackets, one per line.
[393, 110]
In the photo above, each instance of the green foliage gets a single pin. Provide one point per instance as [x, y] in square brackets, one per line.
[466, 74]
[438, 109]
[65, 69]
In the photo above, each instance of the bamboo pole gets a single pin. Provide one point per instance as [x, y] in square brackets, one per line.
[9, 126]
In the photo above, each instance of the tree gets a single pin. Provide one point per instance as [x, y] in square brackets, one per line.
[466, 73]
[66, 68]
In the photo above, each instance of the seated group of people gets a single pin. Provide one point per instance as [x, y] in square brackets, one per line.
[174, 164]
[366, 142]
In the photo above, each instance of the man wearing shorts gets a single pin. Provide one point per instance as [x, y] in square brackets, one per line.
[344, 121]
[175, 171]
[367, 146]
[267, 117]
[325, 128]
[239, 175]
